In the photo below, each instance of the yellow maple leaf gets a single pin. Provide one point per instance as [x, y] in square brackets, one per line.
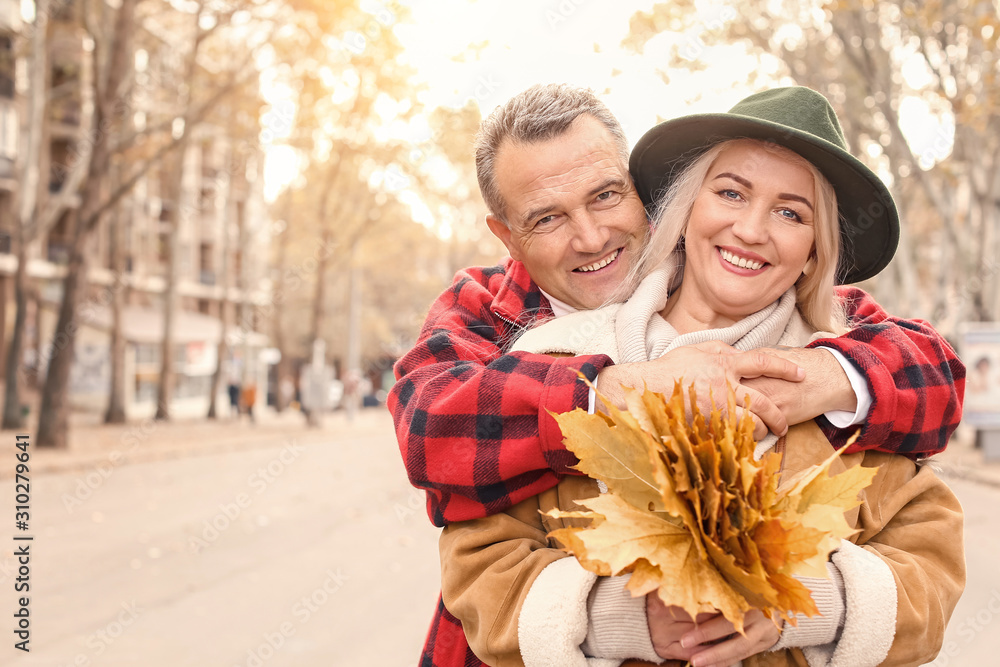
[690, 513]
[615, 453]
[652, 538]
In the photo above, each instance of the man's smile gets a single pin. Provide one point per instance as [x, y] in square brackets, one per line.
[600, 264]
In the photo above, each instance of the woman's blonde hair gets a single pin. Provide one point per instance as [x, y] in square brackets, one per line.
[815, 294]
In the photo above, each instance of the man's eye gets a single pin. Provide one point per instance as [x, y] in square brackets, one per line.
[604, 195]
[546, 219]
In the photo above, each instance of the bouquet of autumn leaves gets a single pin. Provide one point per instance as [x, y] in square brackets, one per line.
[690, 513]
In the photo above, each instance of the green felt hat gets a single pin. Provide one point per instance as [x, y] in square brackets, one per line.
[799, 119]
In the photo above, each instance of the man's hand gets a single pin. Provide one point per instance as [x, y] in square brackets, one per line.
[710, 366]
[726, 646]
[824, 388]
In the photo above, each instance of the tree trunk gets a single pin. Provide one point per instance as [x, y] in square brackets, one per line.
[32, 135]
[53, 417]
[943, 284]
[164, 387]
[222, 350]
[278, 297]
[244, 308]
[319, 316]
[354, 375]
[115, 413]
[12, 417]
[29, 172]
[908, 298]
[319, 297]
[33, 379]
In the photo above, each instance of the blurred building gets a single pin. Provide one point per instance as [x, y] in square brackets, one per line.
[10, 28]
[221, 237]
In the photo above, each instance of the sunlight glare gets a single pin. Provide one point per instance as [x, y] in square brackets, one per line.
[505, 46]
[281, 167]
[931, 136]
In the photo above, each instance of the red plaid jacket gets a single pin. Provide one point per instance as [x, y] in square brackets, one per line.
[471, 421]
[473, 426]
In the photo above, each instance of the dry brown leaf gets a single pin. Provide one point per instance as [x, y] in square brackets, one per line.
[693, 516]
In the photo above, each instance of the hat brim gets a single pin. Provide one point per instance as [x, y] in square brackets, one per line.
[869, 223]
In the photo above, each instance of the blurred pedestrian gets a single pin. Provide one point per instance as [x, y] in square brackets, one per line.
[234, 399]
[248, 397]
[286, 392]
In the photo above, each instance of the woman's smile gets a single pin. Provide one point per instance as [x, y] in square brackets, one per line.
[742, 263]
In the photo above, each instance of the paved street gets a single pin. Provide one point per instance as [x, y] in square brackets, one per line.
[973, 637]
[280, 555]
[304, 549]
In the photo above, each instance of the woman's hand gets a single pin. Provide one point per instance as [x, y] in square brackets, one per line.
[710, 366]
[669, 625]
[760, 634]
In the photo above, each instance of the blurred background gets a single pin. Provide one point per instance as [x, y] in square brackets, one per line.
[222, 221]
[196, 196]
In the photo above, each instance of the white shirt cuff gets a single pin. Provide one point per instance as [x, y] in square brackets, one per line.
[859, 383]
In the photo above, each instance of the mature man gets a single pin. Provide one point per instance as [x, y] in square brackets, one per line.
[472, 420]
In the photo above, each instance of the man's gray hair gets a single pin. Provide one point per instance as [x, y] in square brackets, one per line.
[539, 113]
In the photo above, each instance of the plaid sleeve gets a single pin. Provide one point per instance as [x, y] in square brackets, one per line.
[472, 423]
[446, 645]
[916, 380]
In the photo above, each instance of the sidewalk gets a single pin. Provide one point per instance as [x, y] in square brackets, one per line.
[963, 461]
[92, 444]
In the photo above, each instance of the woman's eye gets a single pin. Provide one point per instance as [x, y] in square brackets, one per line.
[730, 194]
[790, 214]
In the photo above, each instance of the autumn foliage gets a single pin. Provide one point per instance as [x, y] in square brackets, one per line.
[690, 513]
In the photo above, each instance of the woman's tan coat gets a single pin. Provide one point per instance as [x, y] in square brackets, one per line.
[908, 517]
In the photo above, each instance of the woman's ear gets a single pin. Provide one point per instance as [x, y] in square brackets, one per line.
[810, 265]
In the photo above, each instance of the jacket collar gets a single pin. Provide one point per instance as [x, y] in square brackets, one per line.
[519, 300]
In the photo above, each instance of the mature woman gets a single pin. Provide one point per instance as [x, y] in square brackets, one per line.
[747, 250]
